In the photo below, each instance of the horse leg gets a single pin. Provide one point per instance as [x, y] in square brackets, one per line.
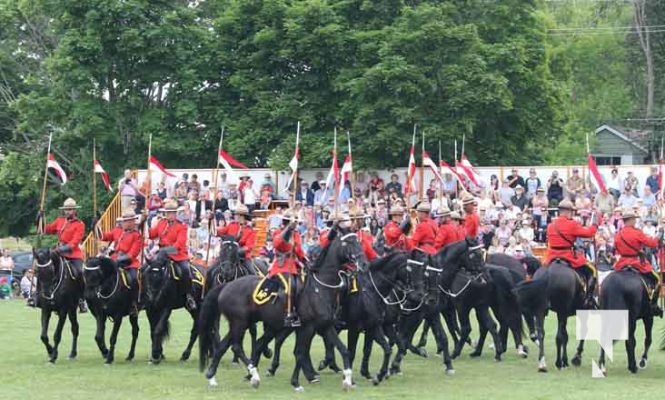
[577, 358]
[529, 320]
[648, 326]
[630, 344]
[73, 321]
[331, 334]
[46, 317]
[219, 351]
[57, 336]
[561, 341]
[419, 349]
[329, 361]
[134, 321]
[451, 323]
[193, 334]
[370, 334]
[161, 328]
[352, 340]
[465, 331]
[540, 339]
[422, 343]
[381, 340]
[100, 335]
[484, 315]
[442, 340]
[279, 341]
[237, 334]
[252, 334]
[601, 361]
[515, 326]
[304, 336]
[117, 323]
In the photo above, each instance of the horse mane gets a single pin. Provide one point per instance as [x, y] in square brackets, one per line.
[392, 260]
[450, 253]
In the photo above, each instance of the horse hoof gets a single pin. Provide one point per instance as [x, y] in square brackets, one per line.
[184, 358]
[212, 382]
[108, 361]
[299, 389]
[72, 357]
[497, 358]
[129, 357]
[542, 369]
[422, 352]
[522, 354]
[643, 363]
[323, 364]
[255, 383]
[450, 372]
[316, 379]
[576, 361]
[235, 364]
[633, 370]
[267, 353]
[347, 382]
[270, 373]
[475, 354]
[376, 381]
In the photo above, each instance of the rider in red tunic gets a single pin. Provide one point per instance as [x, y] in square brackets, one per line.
[288, 256]
[448, 231]
[337, 223]
[364, 236]
[172, 233]
[396, 229]
[424, 235]
[561, 236]
[471, 218]
[127, 244]
[629, 243]
[245, 234]
[70, 231]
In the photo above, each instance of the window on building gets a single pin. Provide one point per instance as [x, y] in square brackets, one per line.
[608, 160]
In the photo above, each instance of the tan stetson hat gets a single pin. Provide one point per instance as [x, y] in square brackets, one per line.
[396, 210]
[169, 206]
[128, 215]
[628, 214]
[456, 216]
[241, 209]
[468, 199]
[443, 212]
[566, 205]
[290, 215]
[424, 206]
[69, 204]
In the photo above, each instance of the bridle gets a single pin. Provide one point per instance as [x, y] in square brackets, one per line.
[99, 293]
[351, 258]
[61, 278]
[472, 277]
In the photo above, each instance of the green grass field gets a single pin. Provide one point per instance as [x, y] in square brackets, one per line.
[26, 374]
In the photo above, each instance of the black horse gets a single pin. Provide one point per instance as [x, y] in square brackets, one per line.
[229, 267]
[561, 289]
[163, 293]
[109, 296]
[625, 290]
[365, 308]
[58, 291]
[455, 260]
[317, 306]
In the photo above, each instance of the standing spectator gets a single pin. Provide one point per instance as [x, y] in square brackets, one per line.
[275, 220]
[345, 193]
[233, 196]
[614, 184]
[223, 185]
[494, 183]
[128, 189]
[305, 194]
[539, 208]
[631, 183]
[181, 193]
[220, 205]
[506, 193]
[7, 264]
[155, 202]
[554, 189]
[515, 179]
[394, 185]
[361, 184]
[449, 185]
[192, 198]
[194, 184]
[574, 185]
[316, 185]
[376, 183]
[265, 199]
[431, 190]
[532, 184]
[249, 195]
[268, 185]
[652, 180]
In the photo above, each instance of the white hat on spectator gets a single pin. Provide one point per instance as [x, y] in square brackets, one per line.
[519, 187]
[323, 183]
[169, 206]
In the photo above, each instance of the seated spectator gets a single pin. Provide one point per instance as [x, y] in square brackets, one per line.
[161, 191]
[652, 181]
[275, 220]
[630, 183]
[511, 248]
[503, 233]
[515, 179]
[615, 184]
[604, 202]
[627, 198]
[526, 230]
[495, 246]
[431, 190]
[194, 184]
[202, 206]
[322, 194]
[185, 214]
[268, 185]
[7, 264]
[181, 193]
[574, 185]
[394, 185]
[648, 197]
[265, 199]
[268, 251]
[449, 185]
[249, 195]
[306, 194]
[554, 189]
[506, 193]
[519, 200]
[28, 284]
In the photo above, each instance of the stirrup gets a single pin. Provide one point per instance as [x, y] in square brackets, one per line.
[292, 321]
[83, 308]
[190, 303]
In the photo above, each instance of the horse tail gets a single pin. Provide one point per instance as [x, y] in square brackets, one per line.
[208, 325]
[532, 295]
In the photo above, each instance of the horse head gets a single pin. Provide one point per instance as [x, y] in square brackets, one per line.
[464, 254]
[408, 276]
[346, 250]
[97, 270]
[229, 260]
[48, 272]
[156, 275]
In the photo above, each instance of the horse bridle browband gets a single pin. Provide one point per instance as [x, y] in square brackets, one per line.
[60, 279]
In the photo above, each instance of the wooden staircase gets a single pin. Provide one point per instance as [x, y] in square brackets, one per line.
[107, 222]
[261, 227]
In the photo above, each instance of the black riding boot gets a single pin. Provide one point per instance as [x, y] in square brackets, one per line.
[186, 276]
[292, 320]
[77, 265]
[654, 293]
[590, 301]
[133, 289]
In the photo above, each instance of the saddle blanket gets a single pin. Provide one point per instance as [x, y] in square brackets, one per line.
[267, 289]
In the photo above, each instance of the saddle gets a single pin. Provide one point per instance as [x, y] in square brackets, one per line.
[269, 288]
[579, 272]
[632, 270]
[197, 276]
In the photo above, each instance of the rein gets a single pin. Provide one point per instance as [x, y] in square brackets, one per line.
[338, 286]
[60, 279]
[385, 298]
[468, 283]
[115, 288]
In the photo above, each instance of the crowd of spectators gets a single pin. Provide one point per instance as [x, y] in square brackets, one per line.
[514, 212]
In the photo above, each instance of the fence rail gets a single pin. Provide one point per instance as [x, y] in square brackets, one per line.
[107, 222]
